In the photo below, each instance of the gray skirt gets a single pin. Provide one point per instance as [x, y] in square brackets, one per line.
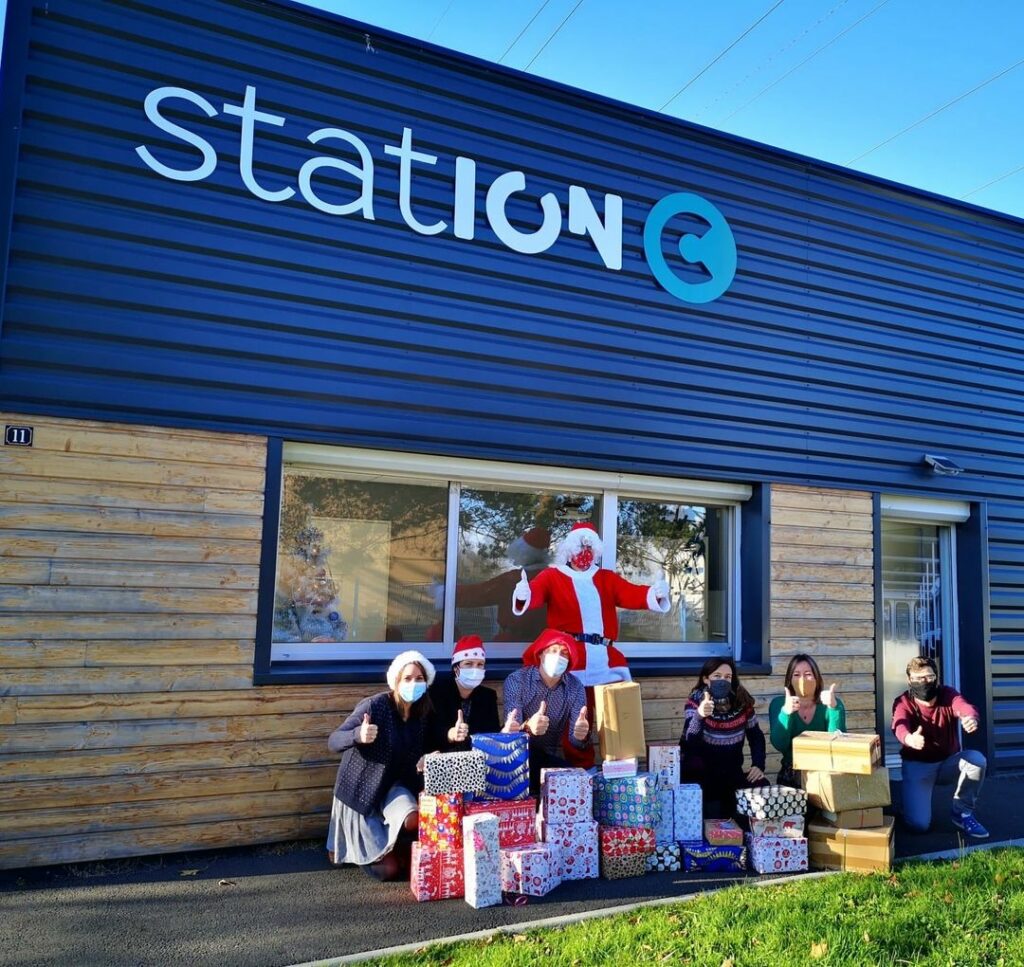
[354, 838]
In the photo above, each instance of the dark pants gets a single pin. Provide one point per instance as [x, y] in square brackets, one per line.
[539, 759]
[717, 784]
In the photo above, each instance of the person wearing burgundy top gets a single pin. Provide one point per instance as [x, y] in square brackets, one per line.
[926, 720]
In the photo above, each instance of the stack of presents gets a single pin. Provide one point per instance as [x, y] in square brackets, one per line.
[481, 834]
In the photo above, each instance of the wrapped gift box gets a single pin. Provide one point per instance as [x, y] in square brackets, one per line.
[665, 829]
[631, 801]
[619, 768]
[777, 854]
[481, 860]
[771, 802]
[663, 763]
[532, 870]
[623, 867]
[578, 848]
[441, 820]
[508, 764]
[854, 818]
[688, 812]
[722, 832]
[838, 792]
[454, 772]
[857, 850]
[850, 752]
[567, 796]
[713, 859]
[620, 720]
[623, 840]
[436, 874]
[664, 859]
[516, 820]
[788, 827]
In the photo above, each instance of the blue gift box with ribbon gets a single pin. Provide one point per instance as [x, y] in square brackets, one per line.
[508, 764]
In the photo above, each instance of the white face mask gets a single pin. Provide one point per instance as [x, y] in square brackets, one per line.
[554, 665]
[412, 691]
[470, 677]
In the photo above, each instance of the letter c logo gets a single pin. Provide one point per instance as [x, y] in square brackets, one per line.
[715, 249]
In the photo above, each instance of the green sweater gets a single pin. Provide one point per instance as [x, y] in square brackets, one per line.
[785, 727]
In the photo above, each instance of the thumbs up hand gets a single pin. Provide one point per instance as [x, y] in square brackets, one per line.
[706, 706]
[538, 722]
[970, 724]
[791, 703]
[512, 723]
[581, 728]
[829, 696]
[459, 732]
[367, 732]
[522, 594]
[916, 739]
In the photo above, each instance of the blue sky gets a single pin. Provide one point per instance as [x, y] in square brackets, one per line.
[890, 64]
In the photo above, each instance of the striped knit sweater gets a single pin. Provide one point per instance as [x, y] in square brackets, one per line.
[718, 739]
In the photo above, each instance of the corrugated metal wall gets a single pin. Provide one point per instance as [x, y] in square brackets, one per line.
[867, 324]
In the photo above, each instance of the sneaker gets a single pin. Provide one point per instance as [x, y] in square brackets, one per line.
[970, 825]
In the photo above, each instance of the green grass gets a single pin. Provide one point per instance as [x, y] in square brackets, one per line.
[969, 911]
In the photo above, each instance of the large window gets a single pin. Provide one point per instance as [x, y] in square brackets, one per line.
[377, 551]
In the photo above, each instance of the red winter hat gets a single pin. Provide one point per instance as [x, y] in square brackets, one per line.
[547, 638]
[538, 537]
[469, 647]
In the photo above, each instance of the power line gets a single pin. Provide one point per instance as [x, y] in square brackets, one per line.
[437, 23]
[939, 110]
[994, 181]
[552, 37]
[806, 60]
[712, 63]
[523, 31]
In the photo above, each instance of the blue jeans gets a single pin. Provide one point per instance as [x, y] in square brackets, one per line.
[965, 768]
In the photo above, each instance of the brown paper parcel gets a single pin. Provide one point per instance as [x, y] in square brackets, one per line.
[854, 850]
[854, 818]
[837, 792]
[620, 720]
[856, 753]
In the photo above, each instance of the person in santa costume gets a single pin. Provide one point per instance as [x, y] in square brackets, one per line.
[582, 600]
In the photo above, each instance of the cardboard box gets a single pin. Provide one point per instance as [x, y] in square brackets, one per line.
[578, 848]
[445, 772]
[855, 850]
[838, 792]
[619, 768]
[854, 818]
[789, 827]
[620, 720]
[663, 762]
[532, 869]
[777, 854]
[508, 763]
[850, 752]
[722, 832]
[771, 802]
[481, 860]
[516, 820]
[440, 820]
[436, 874]
[566, 796]
[713, 859]
[664, 859]
[632, 801]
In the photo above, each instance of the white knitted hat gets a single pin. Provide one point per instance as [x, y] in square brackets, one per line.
[408, 658]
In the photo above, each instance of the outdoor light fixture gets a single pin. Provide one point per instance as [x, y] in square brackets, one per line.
[943, 466]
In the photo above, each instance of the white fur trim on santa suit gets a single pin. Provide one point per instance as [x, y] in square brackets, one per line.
[658, 599]
[573, 544]
[597, 670]
[587, 597]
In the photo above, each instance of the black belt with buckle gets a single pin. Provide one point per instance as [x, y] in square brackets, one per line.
[592, 639]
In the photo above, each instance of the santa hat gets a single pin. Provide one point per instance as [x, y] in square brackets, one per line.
[547, 638]
[530, 548]
[409, 658]
[583, 532]
[467, 648]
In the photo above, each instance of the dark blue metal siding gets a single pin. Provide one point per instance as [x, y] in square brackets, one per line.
[867, 323]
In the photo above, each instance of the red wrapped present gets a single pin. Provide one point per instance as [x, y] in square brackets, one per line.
[722, 832]
[441, 820]
[626, 840]
[567, 796]
[532, 869]
[516, 820]
[577, 846]
[777, 854]
[436, 874]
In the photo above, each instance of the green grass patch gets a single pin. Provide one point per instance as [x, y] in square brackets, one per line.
[968, 911]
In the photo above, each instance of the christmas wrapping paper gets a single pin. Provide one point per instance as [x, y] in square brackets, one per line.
[567, 796]
[629, 801]
[771, 802]
[623, 867]
[441, 820]
[515, 820]
[688, 812]
[482, 860]
[508, 764]
[532, 870]
[578, 848]
[777, 854]
[722, 832]
[664, 859]
[790, 827]
[436, 874]
[625, 840]
[454, 772]
[665, 830]
[619, 768]
[849, 752]
[663, 763]
[713, 859]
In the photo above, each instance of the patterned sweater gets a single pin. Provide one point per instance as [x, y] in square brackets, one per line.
[718, 739]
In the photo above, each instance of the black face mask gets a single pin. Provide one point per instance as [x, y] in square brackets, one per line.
[924, 691]
[720, 689]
